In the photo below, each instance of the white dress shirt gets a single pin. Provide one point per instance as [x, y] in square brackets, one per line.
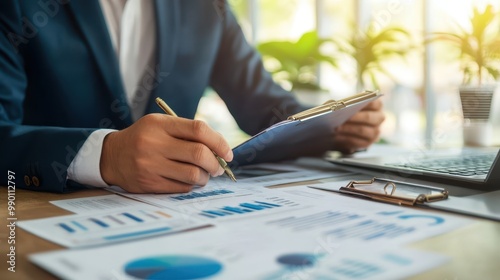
[132, 28]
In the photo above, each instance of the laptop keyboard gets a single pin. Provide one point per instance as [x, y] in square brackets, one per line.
[470, 165]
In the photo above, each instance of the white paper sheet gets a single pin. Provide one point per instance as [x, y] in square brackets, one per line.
[223, 253]
[290, 177]
[98, 203]
[100, 228]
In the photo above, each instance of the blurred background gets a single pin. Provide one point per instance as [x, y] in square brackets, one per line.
[328, 49]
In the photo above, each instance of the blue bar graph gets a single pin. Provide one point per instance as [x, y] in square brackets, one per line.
[82, 227]
[66, 228]
[216, 213]
[254, 206]
[242, 208]
[268, 204]
[236, 210]
[201, 194]
[99, 222]
[135, 218]
[137, 233]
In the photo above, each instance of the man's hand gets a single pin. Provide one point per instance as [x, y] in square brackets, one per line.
[361, 130]
[162, 154]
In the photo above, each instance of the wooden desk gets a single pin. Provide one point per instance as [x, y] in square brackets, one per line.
[475, 250]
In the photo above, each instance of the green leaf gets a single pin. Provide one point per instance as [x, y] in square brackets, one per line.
[298, 58]
[479, 49]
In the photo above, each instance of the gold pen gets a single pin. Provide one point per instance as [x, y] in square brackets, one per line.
[221, 161]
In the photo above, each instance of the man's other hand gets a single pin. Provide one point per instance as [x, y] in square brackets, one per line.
[162, 154]
[361, 130]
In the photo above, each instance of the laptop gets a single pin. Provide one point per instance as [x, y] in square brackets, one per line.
[470, 168]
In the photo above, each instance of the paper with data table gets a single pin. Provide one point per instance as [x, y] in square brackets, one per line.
[81, 230]
[226, 253]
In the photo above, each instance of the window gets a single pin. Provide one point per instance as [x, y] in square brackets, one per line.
[421, 97]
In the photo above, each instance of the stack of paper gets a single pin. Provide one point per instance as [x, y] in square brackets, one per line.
[242, 231]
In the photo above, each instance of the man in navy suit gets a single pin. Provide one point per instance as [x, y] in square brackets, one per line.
[77, 86]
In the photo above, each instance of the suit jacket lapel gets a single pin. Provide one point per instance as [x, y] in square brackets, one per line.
[167, 31]
[91, 22]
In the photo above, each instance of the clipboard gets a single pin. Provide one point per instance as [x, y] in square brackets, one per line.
[392, 191]
[308, 133]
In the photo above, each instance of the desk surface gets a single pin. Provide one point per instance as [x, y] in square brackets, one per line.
[475, 249]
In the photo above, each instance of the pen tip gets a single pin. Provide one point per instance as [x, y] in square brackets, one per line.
[231, 175]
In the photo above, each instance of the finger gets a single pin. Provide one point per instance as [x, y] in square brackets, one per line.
[375, 105]
[193, 153]
[184, 173]
[154, 183]
[370, 133]
[199, 131]
[373, 118]
[167, 185]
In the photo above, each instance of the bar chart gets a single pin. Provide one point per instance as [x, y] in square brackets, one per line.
[247, 206]
[111, 221]
[93, 229]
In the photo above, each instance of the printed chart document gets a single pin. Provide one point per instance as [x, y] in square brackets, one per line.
[215, 253]
[286, 233]
[100, 228]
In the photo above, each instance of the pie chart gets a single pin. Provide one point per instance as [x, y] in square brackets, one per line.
[175, 267]
[297, 260]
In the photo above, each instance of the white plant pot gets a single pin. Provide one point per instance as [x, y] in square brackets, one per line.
[476, 109]
[478, 133]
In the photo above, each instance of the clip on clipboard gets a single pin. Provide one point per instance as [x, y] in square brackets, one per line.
[334, 105]
[385, 191]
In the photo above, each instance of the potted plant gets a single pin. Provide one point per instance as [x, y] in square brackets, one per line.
[371, 48]
[295, 64]
[477, 48]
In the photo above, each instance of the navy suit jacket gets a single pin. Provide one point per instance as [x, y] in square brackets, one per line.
[60, 79]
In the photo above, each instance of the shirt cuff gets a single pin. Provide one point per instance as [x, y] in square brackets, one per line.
[85, 167]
